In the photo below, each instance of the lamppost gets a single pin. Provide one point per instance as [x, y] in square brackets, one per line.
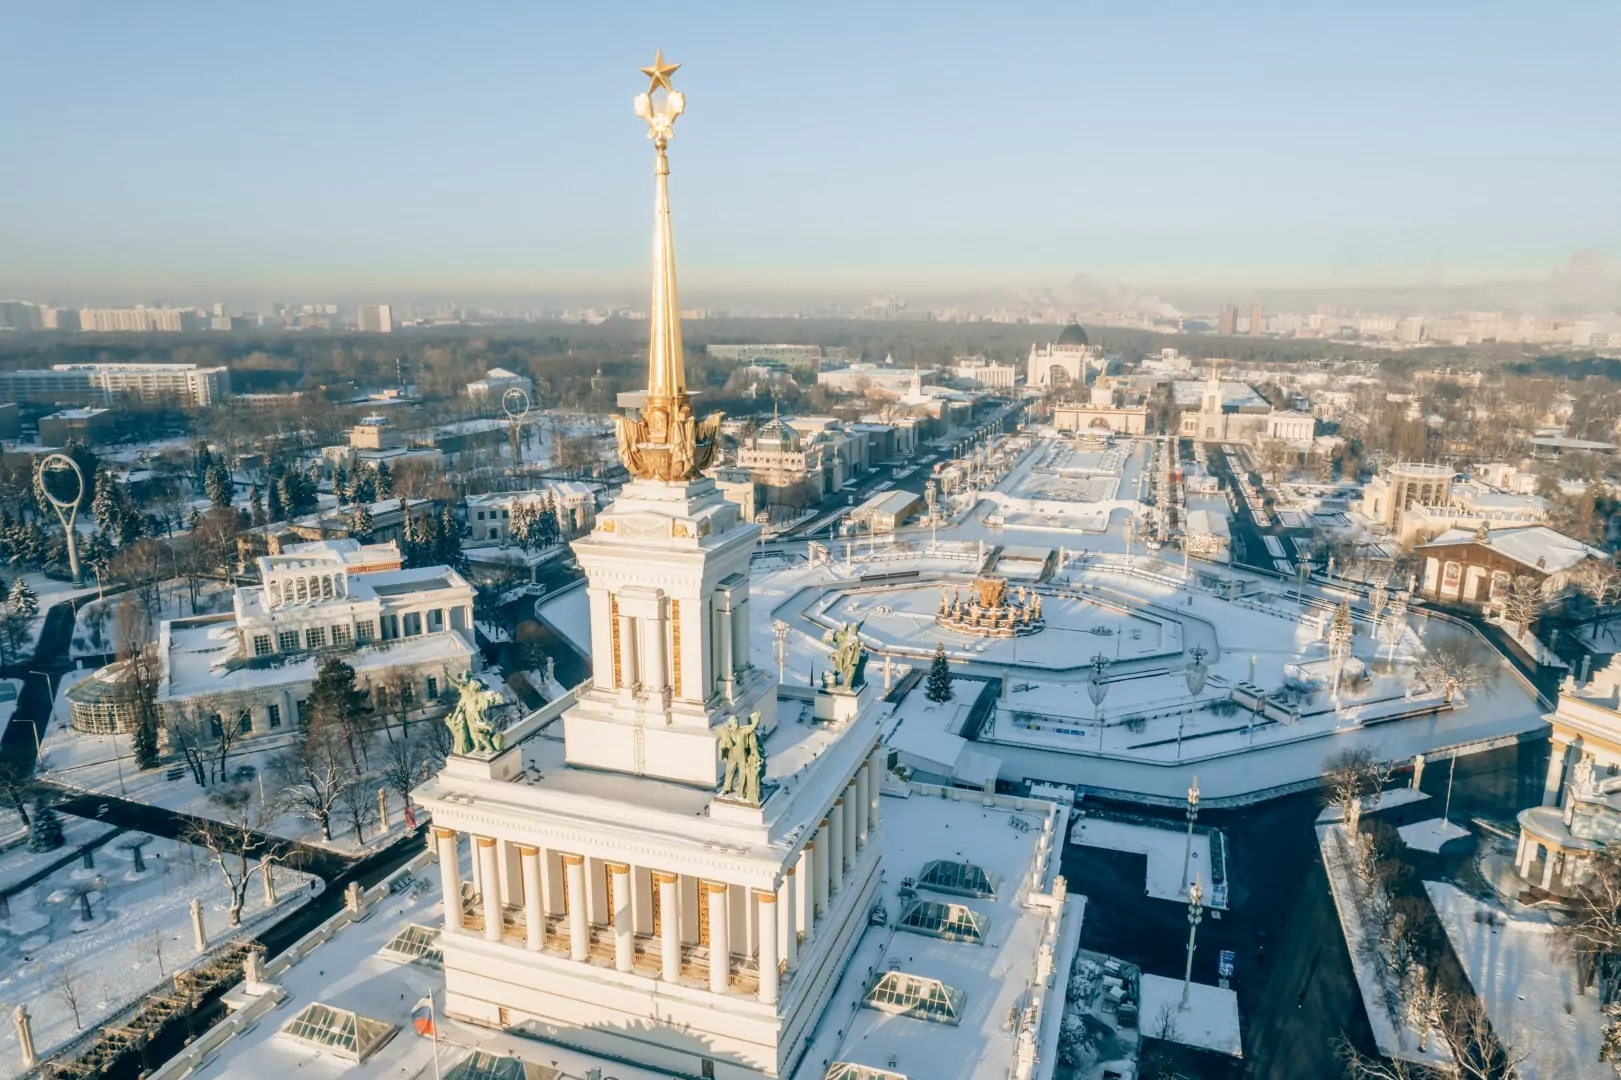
[931, 496]
[779, 645]
[1193, 815]
[1195, 915]
[1097, 690]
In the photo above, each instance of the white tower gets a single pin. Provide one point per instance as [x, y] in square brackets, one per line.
[632, 895]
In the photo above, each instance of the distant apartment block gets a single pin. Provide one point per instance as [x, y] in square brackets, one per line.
[800, 357]
[376, 319]
[129, 320]
[102, 384]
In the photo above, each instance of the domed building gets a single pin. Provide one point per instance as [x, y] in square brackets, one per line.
[1064, 362]
[787, 468]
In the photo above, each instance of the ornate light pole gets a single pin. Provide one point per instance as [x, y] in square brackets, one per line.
[779, 645]
[515, 403]
[1187, 849]
[1195, 915]
[1097, 690]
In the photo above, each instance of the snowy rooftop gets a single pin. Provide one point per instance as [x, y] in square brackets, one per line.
[198, 660]
[992, 977]
[1535, 546]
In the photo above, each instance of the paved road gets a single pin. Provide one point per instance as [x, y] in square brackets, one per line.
[34, 703]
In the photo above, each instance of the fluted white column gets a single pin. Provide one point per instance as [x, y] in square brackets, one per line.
[824, 868]
[852, 811]
[805, 894]
[766, 903]
[657, 674]
[534, 916]
[624, 943]
[834, 835]
[669, 924]
[720, 957]
[861, 805]
[875, 787]
[788, 919]
[579, 920]
[492, 888]
[450, 878]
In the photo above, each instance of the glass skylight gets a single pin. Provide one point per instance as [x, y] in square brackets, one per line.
[339, 1030]
[481, 1066]
[418, 944]
[952, 922]
[849, 1070]
[920, 998]
[959, 879]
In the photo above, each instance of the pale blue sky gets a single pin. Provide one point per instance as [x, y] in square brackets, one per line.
[175, 148]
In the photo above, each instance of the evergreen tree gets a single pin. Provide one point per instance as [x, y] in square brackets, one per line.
[361, 526]
[448, 542]
[22, 600]
[937, 687]
[363, 485]
[334, 697]
[218, 484]
[340, 484]
[275, 508]
[44, 831]
[146, 743]
[385, 481]
[256, 506]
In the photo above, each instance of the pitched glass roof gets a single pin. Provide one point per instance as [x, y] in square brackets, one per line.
[481, 1066]
[849, 1070]
[339, 1030]
[912, 995]
[418, 944]
[952, 922]
[959, 879]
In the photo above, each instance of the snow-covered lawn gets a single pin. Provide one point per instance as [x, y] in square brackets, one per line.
[18, 863]
[1527, 986]
[105, 765]
[49, 591]
[1164, 848]
[1210, 1021]
[140, 932]
[96, 629]
[1391, 1032]
[1431, 835]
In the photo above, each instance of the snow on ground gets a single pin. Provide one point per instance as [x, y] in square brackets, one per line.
[1385, 800]
[1391, 1032]
[140, 932]
[1527, 987]
[105, 764]
[1164, 847]
[96, 630]
[18, 863]
[1210, 1021]
[1431, 835]
[49, 591]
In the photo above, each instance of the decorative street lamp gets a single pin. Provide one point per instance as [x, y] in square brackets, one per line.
[1193, 815]
[1097, 690]
[779, 645]
[1195, 914]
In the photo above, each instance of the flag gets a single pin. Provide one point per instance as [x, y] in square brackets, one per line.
[422, 1017]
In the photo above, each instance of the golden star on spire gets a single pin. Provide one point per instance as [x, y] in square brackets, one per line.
[659, 74]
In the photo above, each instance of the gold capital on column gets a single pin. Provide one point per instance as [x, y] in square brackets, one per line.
[617, 867]
[485, 841]
[443, 834]
[664, 877]
[528, 851]
[714, 886]
[571, 860]
[765, 897]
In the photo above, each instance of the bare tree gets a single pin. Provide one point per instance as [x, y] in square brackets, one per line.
[407, 763]
[1351, 776]
[1599, 580]
[156, 938]
[1455, 665]
[314, 775]
[1524, 602]
[358, 803]
[395, 699]
[236, 842]
[68, 987]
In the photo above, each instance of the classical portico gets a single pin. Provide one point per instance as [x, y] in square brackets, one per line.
[628, 892]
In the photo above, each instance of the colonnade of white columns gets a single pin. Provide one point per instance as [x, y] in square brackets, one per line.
[785, 918]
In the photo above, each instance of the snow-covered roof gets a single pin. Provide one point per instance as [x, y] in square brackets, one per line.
[1534, 546]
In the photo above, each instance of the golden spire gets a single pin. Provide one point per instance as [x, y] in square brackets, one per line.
[666, 443]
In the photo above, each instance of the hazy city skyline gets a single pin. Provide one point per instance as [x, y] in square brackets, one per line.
[388, 153]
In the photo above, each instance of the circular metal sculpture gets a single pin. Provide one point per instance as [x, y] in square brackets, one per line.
[58, 465]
